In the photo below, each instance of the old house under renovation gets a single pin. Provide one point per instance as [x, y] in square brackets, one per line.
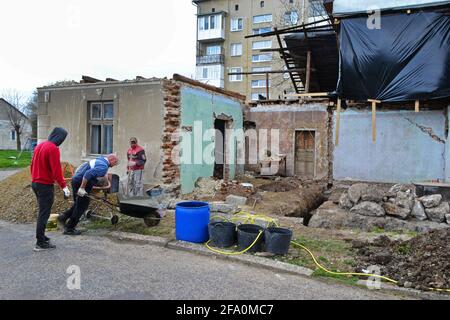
[373, 93]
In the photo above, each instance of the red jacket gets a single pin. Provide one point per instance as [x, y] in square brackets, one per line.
[137, 155]
[46, 166]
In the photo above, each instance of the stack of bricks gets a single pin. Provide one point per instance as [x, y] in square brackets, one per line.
[172, 121]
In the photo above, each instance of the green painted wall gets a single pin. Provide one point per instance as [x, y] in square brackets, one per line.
[199, 106]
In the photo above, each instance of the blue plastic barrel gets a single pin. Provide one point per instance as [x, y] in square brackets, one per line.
[191, 221]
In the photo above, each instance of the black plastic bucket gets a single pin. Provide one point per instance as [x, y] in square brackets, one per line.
[222, 234]
[247, 233]
[278, 240]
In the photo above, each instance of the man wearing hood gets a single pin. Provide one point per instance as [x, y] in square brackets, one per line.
[45, 171]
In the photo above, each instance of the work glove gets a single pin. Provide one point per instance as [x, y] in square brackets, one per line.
[66, 192]
[81, 192]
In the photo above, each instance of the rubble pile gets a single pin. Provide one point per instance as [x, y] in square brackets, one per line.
[400, 201]
[422, 262]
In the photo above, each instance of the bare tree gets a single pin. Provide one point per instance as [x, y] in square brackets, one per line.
[30, 110]
[16, 117]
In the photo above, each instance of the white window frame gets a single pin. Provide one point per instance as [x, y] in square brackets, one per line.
[216, 46]
[237, 44]
[203, 72]
[290, 14]
[235, 22]
[261, 69]
[236, 78]
[266, 44]
[261, 83]
[257, 31]
[102, 122]
[263, 21]
[261, 55]
[255, 95]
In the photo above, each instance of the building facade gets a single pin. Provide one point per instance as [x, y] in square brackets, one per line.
[168, 117]
[8, 136]
[222, 48]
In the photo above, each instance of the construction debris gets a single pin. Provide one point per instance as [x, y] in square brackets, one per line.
[422, 262]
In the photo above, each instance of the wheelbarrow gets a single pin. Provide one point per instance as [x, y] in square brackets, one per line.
[137, 207]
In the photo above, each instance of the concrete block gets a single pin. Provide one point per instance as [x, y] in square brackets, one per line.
[236, 200]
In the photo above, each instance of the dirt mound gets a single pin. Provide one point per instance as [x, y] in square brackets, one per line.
[278, 186]
[18, 202]
[422, 262]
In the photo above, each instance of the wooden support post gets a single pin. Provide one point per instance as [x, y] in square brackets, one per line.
[308, 72]
[267, 86]
[338, 121]
[374, 119]
[417, 106]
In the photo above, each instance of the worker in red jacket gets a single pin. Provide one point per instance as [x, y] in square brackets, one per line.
[135, 168]
[45, 171]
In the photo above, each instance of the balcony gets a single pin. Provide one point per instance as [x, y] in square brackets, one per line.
[211, 59]
[211, 27]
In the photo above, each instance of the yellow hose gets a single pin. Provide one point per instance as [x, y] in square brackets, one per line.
[234, 253]
[252, 217]
[356, 273]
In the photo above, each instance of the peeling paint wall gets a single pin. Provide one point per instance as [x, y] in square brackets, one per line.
[410, 146]
[138, 112]
[202, 106]
[291, 117]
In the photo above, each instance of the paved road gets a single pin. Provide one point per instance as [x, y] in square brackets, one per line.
[5, 173]
[112, 270]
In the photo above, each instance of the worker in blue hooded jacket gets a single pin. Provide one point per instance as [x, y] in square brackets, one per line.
[83, 181]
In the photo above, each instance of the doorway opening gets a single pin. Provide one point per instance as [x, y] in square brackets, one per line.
[305, 153]
[220, 148]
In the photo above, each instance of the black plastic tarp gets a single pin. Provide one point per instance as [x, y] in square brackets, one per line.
[408, 58]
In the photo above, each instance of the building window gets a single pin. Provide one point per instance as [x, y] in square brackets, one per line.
[207, 23]
[261, 4]
[236, 7]
[205, 73]
[258, 96]
[262, 57]
[237, 24]
[236, 49]
[101, 117]
[261, 69]
[265, 44]
[212, 50]
[13, 134]
[316, 9]
[262, 18]
[259, 83]
[237, 77]
[261, 30]
[291, 18]
[213, 10]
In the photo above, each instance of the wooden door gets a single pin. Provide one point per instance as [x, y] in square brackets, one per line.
[305, 149]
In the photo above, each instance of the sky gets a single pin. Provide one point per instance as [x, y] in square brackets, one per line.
[45, 41]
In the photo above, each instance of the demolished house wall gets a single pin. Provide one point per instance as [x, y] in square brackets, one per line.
[137, 112]
[289, 118]
[203, 107]
[409, 146]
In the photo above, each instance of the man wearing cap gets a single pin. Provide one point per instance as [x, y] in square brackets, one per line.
[135, 168]
[83, 181]
[45, 171]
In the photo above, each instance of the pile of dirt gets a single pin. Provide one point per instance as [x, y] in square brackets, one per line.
[18, 201]
[422, 262]
[279, 186]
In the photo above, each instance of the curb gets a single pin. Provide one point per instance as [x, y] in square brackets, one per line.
[257, 261]
[202, 250]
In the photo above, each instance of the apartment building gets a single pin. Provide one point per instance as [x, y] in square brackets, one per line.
[222, 47]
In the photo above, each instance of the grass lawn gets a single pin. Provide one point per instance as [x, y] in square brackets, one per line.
[6, 162]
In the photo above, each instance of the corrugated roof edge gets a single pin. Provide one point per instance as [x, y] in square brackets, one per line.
[178, 77]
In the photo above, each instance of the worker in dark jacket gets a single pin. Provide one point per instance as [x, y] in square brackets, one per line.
[83, 181]
[45, 171]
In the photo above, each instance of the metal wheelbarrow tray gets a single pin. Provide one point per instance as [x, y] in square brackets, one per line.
[136, 207]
